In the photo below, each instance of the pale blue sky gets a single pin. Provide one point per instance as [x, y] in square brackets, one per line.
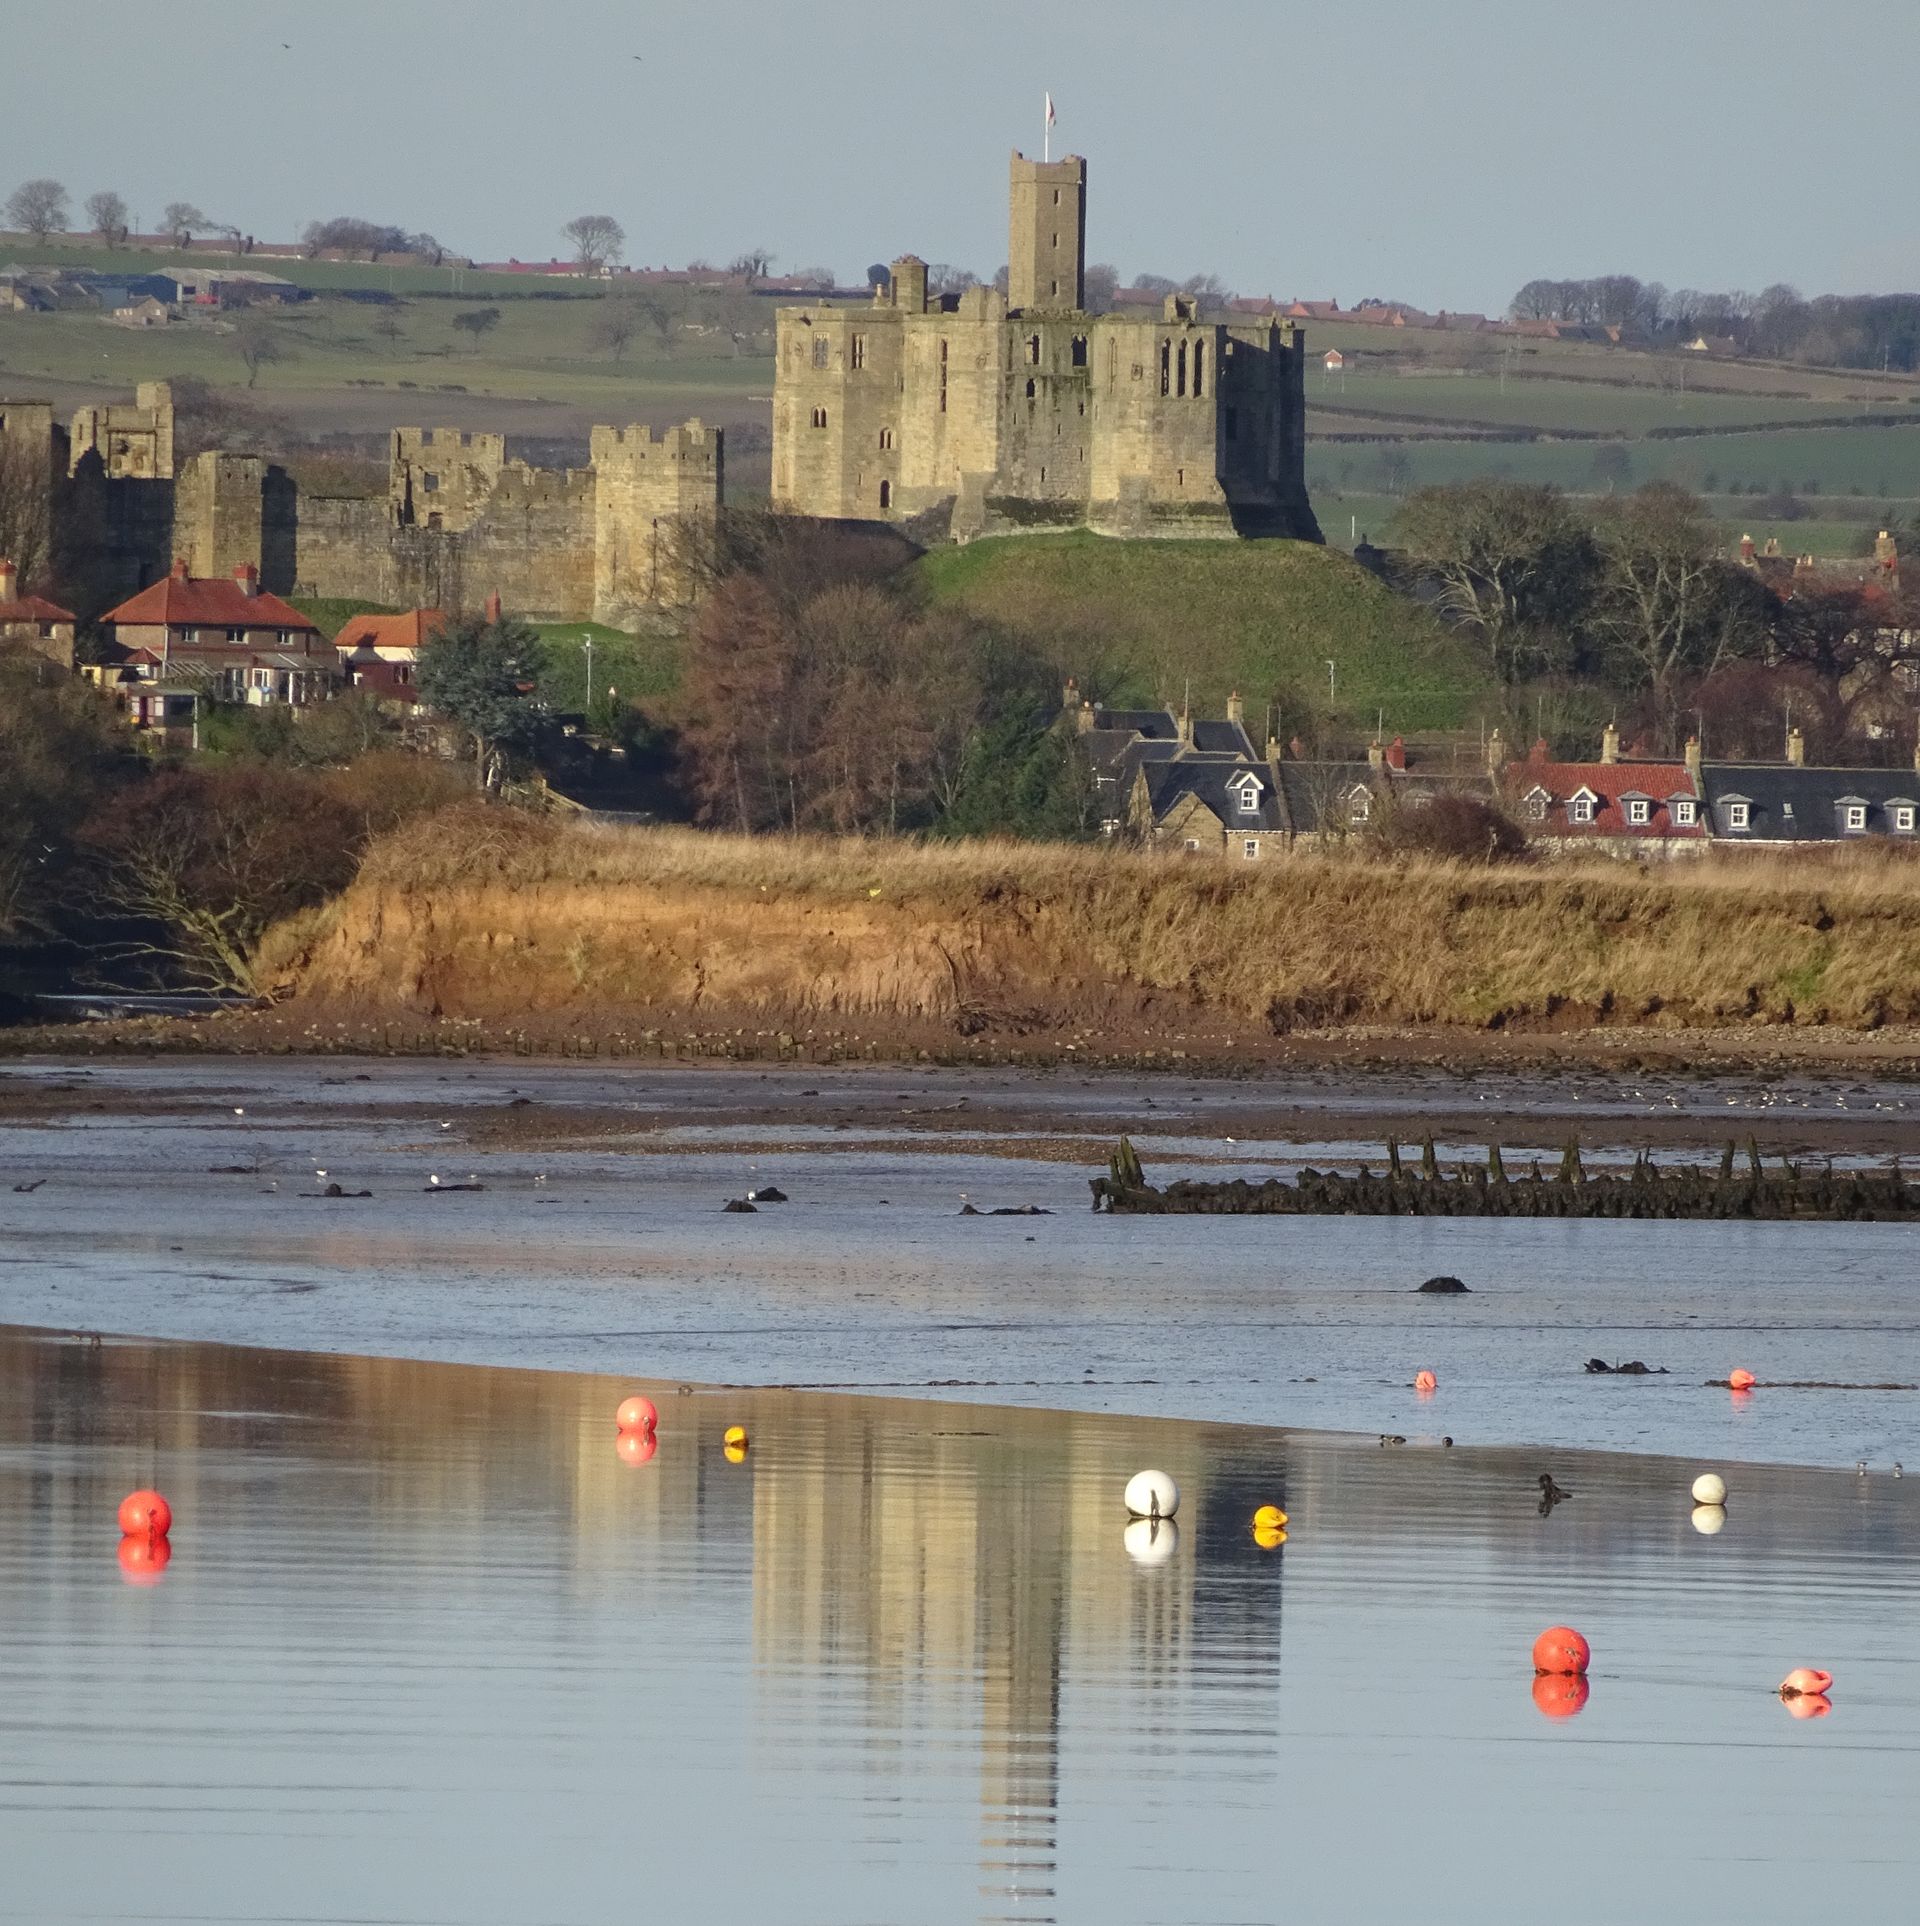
[1437, 154]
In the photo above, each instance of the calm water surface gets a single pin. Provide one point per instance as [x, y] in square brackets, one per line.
[429, 1650]
[610, 1252]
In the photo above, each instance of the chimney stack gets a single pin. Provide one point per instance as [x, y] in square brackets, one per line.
[1610, 744]
[493, 607]
[1496, 753]
[1746, 548]
[1377, 754]
[1084, 718]
[9, 582]
[1796, 748]
[1693, 759]
[248, 578]
[1236, 709]
[180, 573]
[1397, 753]
[1070, 696]
[1185, 725]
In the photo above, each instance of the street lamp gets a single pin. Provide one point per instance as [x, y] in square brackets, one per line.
[586, 642]
[1329, 685]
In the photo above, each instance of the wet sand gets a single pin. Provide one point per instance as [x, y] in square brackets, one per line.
[429, 1648]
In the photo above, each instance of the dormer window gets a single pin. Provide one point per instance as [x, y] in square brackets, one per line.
[1853, 817]
[1900, 815]
[1639, 811]
[1740, 815]
[1360, 805]
[1681, 808]
[1247, 794]
[1536, 805]
[1580, 806]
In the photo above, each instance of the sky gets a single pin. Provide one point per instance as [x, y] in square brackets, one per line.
[1440, 154]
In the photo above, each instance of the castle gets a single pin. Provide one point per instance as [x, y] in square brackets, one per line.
[998, 413]
[458, 522]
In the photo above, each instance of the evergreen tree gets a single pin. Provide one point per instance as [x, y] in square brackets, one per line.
[480, 674]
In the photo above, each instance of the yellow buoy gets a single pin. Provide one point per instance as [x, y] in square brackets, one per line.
[1269, 1518]
[736, 1435]
[1269, 1537]
[734, 1454]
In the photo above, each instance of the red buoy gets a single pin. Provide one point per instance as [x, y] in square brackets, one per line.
[1560, 1650]
[143, 1559]
[635, 1447]
[1425, 1383]
[1560, 1695]
[145, 1514]
[637, 1414]
[1740, 1380]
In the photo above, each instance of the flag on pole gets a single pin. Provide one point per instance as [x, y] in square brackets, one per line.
[1046, 149]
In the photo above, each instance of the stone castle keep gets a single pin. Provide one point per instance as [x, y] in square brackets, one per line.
[459, 521]
[1022, 411]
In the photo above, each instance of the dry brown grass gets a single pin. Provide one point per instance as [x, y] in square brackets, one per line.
[480, 913]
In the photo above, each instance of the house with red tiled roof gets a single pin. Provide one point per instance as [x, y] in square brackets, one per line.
[45, 627]
[226, 636]
[1653, 806]
[379, 653]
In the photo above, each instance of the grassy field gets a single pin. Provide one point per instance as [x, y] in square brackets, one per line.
[1150, 619]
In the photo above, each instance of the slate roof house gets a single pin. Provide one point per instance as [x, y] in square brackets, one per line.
[1768, 804]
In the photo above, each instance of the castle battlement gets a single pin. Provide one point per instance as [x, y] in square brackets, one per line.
[1023, 411]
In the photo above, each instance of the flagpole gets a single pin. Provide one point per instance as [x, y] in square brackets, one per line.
[1046, 127]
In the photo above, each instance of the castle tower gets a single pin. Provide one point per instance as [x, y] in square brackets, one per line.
[1047, 234]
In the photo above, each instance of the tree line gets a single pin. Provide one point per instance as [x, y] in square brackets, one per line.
[1636, 598]
[1830, 330]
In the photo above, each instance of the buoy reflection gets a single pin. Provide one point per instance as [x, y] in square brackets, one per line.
[143, 1558]
[1151, 1541]
[635, 1447]
[1560, 1695]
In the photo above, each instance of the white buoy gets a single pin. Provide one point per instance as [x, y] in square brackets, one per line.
[1708, 1520]
[1709, 1489]
[1151, 1541]
[1152, 1494]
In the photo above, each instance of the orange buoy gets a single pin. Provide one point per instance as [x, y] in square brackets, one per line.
[637, 1414]
[1805, 1682]
[635, 1447]
[1425, 1382]
[143, 1559]
[1740, 1380]
[1560, 1651]
[145, 1514]
[1809, 1705]
[1560, 1695]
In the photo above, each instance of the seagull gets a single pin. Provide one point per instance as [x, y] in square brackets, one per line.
[321, 1174]
[239, 1110]
[1860, 1467]
[1897, 1472]
[434, 1179]
[446, 1126]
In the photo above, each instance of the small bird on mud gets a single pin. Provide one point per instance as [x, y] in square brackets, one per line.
[1550, 1493]
[26, 1189]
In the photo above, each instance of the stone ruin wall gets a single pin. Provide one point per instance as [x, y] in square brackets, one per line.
[459, 521]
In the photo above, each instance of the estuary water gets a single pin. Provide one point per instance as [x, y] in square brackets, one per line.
[185, 1200]
[431, 1650]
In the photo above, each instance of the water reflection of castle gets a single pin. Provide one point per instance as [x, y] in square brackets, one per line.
[963, 1580]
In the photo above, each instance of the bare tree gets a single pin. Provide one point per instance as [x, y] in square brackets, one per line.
[1102, 284]
[753, 265]
[107, 214]
[26, 507]
[597, 239]
[182, 220]
[622, 318]
[476, 323]
[38, 208]
[260, 344]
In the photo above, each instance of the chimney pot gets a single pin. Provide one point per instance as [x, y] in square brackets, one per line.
[180, 569]
[1693, 759]
[9, 582]
[1236, 709]
[1376, 754]
[1796, 747]
[1610, 744]
[248, 577]
[1496, 753]
[493, 606]
[1397, 753]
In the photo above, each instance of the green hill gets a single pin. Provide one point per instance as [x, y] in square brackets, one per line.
[1149, 618]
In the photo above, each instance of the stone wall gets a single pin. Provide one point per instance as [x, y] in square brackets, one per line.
[1040, 416]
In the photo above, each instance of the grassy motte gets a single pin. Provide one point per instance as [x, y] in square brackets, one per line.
[486, 915]
[1154, 618]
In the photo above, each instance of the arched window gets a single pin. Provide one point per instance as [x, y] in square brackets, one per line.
[1033, 350]
[1166, 367]
[1031, 390]
[1199, 366]
[1079, 350]
[886, 494]
[1180, 381]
